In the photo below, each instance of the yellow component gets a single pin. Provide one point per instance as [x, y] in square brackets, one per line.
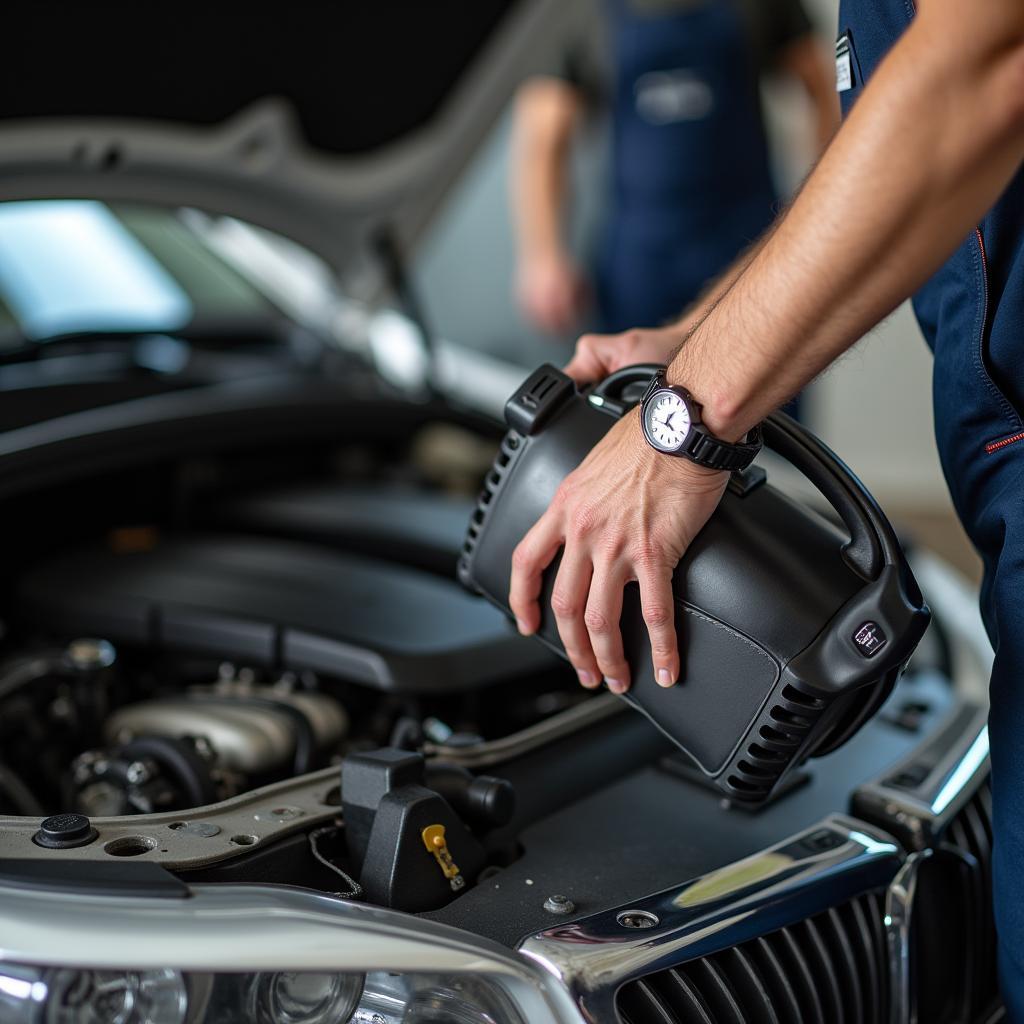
[434, 841]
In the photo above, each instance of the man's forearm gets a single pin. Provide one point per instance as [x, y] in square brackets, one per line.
[931, 144]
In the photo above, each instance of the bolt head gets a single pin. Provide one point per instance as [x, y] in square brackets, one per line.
[558, 904]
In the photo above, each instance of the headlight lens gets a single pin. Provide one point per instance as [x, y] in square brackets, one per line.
[300, 997]
[30, 995]
[40, 995]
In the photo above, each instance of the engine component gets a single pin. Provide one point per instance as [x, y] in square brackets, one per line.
[791, 633]
[481, 800]
[151, 773]
[195, 748]
[252, 730]
[282, 604]
[410, 848]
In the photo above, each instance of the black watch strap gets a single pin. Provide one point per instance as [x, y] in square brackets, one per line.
[706, 450]
[702, 447]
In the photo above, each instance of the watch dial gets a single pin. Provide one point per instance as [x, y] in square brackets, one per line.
[668, 421]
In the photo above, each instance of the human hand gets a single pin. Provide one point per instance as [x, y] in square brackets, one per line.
[598, 355]
[626, 514]
[551, 292]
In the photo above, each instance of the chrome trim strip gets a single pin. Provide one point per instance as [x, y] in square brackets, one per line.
[959, 753]
[260, 928]
[899, 912]
[799, 877]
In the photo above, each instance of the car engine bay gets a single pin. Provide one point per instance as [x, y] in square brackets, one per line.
[265, 671]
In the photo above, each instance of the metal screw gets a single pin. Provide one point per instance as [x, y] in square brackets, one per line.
[202, 747]
[559, 904]
[137, 773]
[637, 919]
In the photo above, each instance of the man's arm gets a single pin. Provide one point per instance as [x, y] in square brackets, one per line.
[934, 140]
[548, 285]
[930, 146]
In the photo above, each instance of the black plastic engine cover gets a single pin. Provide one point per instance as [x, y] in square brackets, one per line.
[281, 604]
[792, 631]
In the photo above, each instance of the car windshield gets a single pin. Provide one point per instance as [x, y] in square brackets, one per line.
[71, 267]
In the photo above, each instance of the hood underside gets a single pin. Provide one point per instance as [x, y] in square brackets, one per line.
[328, 124]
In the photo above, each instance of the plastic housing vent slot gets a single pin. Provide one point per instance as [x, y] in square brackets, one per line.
[828, 968]
[492, 485]
[766, 758]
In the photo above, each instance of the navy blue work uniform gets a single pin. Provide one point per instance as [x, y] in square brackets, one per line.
[972, 315]
[692, 185]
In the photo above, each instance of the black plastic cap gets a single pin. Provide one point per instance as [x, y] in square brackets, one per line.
[64, 831]
[494, 800]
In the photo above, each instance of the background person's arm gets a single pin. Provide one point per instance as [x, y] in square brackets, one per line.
[549, 288]
[930, 146]
[806, 60]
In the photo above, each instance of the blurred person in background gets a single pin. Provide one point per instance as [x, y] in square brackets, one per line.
[691, 178]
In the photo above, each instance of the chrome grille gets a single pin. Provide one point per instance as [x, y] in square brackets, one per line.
[831, 967]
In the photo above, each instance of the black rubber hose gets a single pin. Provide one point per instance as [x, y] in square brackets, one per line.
[24, 670]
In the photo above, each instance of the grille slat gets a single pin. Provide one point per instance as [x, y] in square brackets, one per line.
[642, 1005]
[749, 985]
[825, 970]
[829, 969]
[688, 999]
[845, 964]
[717, 991]
[783, 994]
[953, 945]
[869, 968]
[793, 956]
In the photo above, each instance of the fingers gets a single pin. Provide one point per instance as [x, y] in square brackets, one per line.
[604, 610]
[592, 358]
[658, 604]
[532, 556]
[568, 602]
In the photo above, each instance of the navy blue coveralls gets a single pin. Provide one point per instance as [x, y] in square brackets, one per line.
[691, 180]
[972, 315]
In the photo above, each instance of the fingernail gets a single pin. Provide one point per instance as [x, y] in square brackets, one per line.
[664, 677]
[522, 626]
[615, 686]
[586, 678]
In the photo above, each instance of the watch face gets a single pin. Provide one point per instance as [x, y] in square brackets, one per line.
[667, 420]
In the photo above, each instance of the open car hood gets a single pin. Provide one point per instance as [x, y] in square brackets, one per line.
[330, 124]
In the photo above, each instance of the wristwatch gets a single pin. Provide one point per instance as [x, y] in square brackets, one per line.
[671, 422]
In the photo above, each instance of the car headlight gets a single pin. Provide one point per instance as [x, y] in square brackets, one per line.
[42, 995]
[254, 955]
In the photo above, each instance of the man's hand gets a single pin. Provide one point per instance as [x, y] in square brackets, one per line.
[598, 355]
[626, 514]
[551, 292]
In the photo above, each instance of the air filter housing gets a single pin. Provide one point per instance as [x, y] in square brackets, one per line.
[792, 629]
